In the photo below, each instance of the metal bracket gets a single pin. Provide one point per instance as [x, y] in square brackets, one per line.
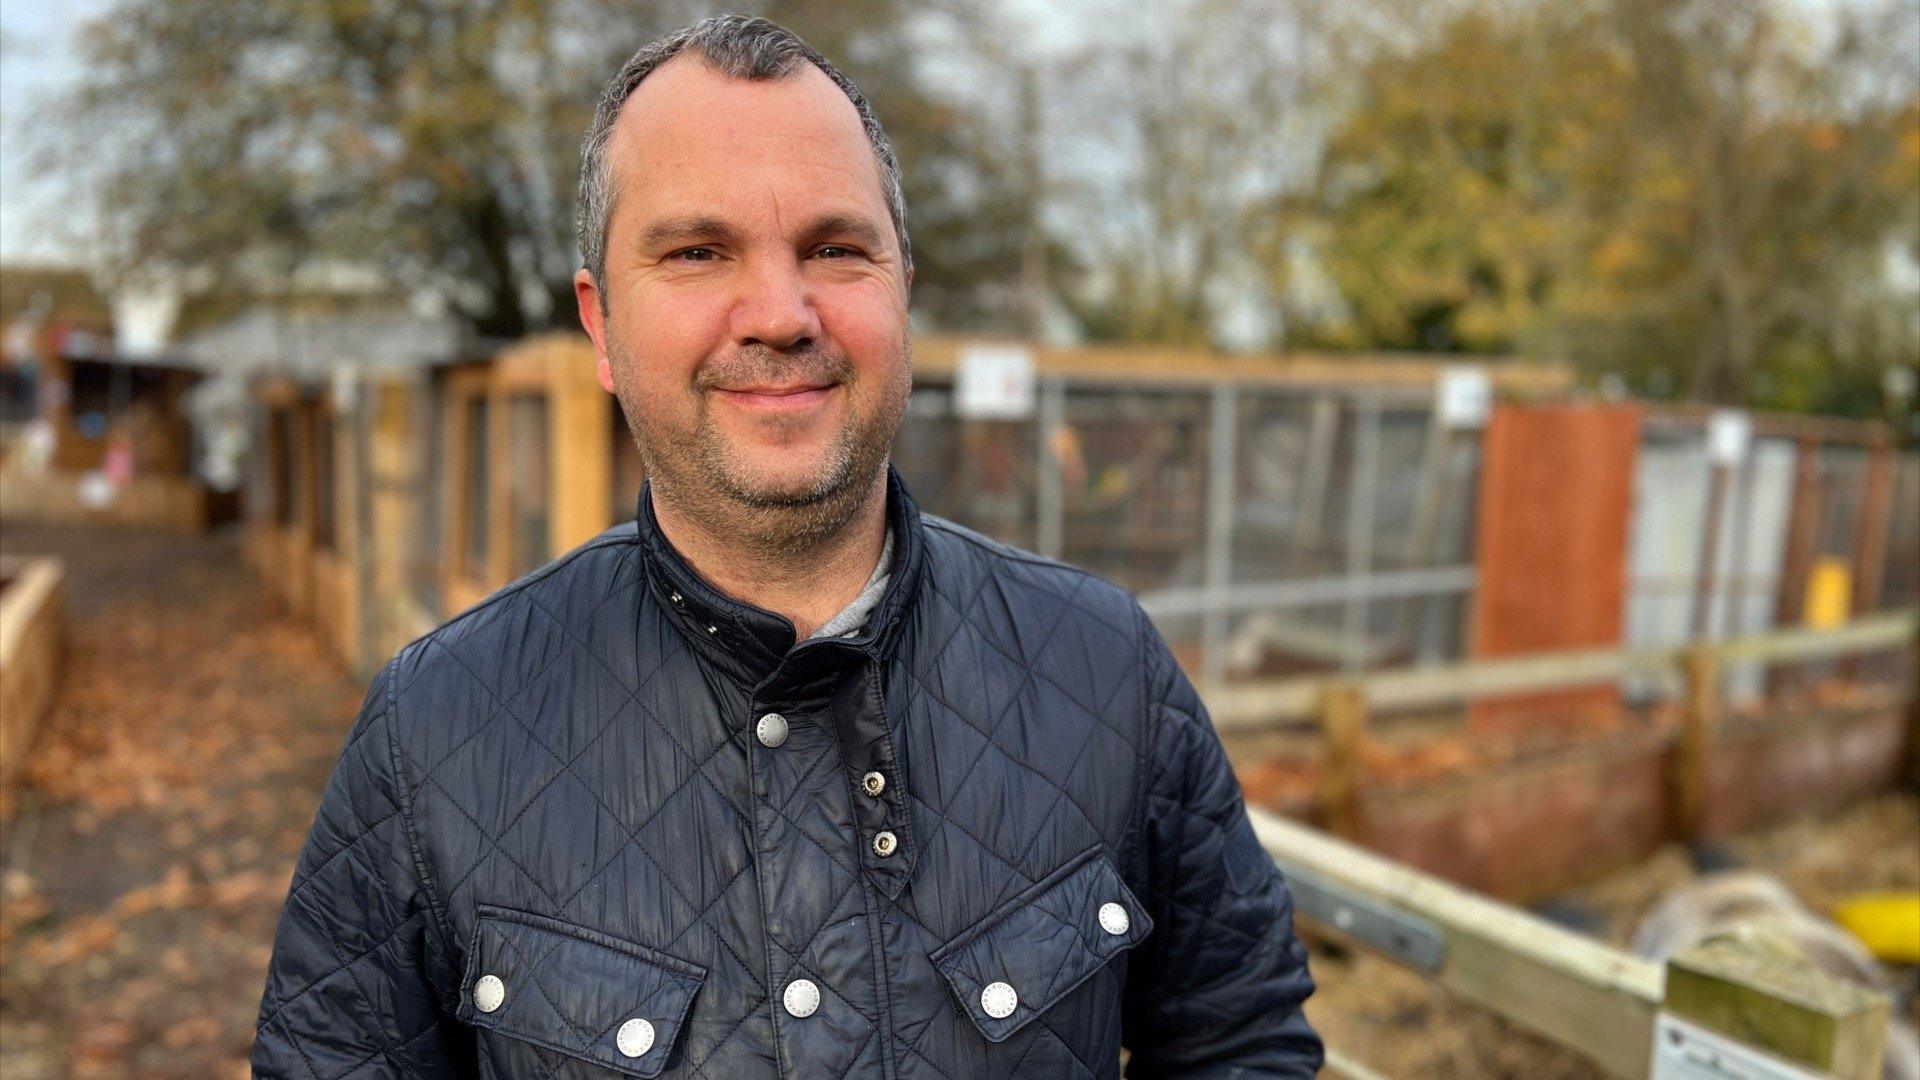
[1403, 936]
[1684, 1051]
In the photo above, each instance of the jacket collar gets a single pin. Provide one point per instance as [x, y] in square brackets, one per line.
[752, 643]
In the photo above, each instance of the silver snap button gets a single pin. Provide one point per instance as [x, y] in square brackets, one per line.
[635, 1037]
[885, 844]
[1113, 919]
[489, 993]
[873, 784]
[998, 1000]
[676, 599]
[771, 730]
[713, 629]
[801, 998]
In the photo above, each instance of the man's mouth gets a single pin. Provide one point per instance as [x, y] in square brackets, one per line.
[787, 397]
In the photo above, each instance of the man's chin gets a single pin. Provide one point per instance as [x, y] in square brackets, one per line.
[787, 488]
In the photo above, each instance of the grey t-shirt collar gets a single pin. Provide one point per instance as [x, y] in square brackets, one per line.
[853, 618]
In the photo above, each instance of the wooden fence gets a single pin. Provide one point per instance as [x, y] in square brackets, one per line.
[1742, 1006]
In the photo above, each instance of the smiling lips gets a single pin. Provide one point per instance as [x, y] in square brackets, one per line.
[777, 398]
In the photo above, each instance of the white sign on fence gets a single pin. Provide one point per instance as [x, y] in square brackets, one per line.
[1728, 433]
[1464, 396]
[995, 382]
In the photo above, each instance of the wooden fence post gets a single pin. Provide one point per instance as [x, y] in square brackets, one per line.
[1760, 990]
[1693, 752]
[1343, 721]
[1913, 715]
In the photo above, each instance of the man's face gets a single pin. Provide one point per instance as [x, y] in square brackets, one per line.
[756, 327]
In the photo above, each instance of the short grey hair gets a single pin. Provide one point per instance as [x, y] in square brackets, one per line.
[741, 47]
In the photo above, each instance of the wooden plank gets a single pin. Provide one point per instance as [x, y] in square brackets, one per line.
[1580, 993]
[1550, 546]
[1159, 365]
[1528, 829]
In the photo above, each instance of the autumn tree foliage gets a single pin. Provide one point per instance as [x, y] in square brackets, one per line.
[1717, 198]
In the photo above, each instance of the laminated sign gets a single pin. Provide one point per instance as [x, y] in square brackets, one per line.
[995, 382]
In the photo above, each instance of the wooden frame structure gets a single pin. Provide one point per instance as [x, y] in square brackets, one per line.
[302, 533]
[142, 412]
[527, 442]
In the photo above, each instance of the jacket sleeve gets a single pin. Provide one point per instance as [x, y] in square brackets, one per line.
[351, 986]
[1216, 990]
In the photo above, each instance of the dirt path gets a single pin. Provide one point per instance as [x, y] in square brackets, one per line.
[166, 799]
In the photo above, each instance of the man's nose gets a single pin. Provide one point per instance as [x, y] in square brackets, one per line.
[775, 307]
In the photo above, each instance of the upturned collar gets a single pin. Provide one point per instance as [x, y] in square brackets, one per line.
[752, 643]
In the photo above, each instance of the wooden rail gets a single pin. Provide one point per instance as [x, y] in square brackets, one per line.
[1599, 1001]
[1255, 706]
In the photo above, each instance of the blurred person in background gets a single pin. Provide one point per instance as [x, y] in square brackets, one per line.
[782, 777]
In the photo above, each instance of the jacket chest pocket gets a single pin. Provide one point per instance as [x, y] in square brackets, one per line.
[1016, 963]
[576, 991]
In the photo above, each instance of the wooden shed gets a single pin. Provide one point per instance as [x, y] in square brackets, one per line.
[106, 439]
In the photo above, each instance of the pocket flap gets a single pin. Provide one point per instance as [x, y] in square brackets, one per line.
[575, 990]
[1013, 965]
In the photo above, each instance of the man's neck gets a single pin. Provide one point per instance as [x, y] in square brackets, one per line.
[807, 579]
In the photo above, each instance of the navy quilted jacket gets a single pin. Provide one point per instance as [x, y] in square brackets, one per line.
[613, 823]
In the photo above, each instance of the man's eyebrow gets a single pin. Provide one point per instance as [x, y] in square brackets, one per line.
[675, 230]
[855, 227]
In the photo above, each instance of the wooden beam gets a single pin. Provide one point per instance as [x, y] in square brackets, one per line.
[1581, 994]
[1414, 374]
[1693, 754]
[580, 451]
[1805, 510]
[1870, 536]
[1836, 430]
[1343, 717]
[1762, 991]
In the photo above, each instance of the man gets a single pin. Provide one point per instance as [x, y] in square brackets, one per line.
[782, 778]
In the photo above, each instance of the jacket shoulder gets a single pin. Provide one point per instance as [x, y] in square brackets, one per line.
[978, 575]
[473, 667]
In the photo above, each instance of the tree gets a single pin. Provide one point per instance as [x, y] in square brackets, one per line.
[274, 145]
[1683, 192]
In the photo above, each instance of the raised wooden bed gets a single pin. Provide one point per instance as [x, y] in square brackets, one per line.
[173, 503]
[32, 623]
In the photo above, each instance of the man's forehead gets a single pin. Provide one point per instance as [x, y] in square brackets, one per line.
[687, 115]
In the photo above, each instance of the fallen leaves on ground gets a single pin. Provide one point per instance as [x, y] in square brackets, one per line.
[162, 809]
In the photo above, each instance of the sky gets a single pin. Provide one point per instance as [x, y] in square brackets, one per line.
[35, 58]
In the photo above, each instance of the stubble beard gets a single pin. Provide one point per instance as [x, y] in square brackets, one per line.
[699, 474]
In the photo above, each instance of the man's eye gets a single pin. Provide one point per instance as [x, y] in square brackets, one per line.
[834, 251]
[698, 254]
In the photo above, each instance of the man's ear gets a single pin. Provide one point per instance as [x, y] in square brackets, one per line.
[586, 297]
